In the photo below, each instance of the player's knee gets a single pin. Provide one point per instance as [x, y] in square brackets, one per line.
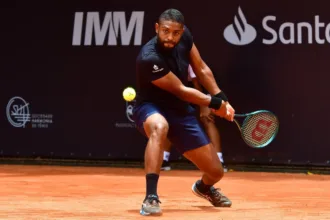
[159, 130]
[216, 173]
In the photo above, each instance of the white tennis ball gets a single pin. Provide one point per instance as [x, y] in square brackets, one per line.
[129, 94]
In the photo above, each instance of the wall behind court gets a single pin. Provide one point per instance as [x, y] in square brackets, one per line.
[66, 64]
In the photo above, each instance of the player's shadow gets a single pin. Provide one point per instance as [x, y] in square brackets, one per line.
[166, 210]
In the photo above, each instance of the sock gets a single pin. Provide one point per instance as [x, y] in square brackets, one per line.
[152, 182]
[166, 155]
[202, 187]
[220, 157]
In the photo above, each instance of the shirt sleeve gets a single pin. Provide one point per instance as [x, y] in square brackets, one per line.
[154, 67]
[188, 38]
[191, 74]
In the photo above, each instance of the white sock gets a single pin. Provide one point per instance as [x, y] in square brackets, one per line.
[166, 155]
[220, 157]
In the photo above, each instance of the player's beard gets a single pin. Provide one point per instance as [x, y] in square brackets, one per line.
[162, 44]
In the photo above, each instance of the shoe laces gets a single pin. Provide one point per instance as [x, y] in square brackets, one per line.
[152, 198]
[214, 192]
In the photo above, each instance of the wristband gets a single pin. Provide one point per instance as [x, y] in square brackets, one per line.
[222, 96]
[215, 102]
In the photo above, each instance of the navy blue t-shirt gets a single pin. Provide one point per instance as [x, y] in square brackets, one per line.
[153, 63]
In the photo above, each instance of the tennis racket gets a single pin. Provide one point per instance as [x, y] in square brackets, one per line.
[258, 128]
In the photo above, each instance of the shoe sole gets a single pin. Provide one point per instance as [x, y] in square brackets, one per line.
[197, 194]
[150, 210]
[145, 213]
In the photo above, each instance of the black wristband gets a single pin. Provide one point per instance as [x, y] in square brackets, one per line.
[215, 102]
[222, 96]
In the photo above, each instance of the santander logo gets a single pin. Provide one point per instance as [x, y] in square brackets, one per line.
[287, 33]
[240, 32]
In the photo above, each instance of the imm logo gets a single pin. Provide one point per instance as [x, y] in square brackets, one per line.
[113, 30]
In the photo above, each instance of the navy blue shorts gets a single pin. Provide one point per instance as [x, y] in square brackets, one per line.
[185, 132]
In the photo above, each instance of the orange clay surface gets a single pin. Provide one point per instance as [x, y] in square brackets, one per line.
[52, 192]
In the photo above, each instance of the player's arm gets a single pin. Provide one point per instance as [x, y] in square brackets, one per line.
[173, 84]
[206, 77]
[203, 72]
[204, 111]
[192, 77]
[160, 75]
[196, 84]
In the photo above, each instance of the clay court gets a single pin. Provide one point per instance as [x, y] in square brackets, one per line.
[52, 192]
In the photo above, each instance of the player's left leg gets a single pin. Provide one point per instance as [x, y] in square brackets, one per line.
[206, 159]
[195, 145]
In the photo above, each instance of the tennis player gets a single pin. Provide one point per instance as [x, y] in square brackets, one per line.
[162, 109]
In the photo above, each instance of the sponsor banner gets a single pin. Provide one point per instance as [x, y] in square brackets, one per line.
[61, 91]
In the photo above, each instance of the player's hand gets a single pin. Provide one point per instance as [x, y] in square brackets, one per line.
[231, 111]
[222, 111]
[225, 111]
[205, 112]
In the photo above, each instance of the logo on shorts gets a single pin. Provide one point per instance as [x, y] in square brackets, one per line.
[240, 33]
[18, 112]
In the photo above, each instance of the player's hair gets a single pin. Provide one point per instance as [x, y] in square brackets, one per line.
[172, 15]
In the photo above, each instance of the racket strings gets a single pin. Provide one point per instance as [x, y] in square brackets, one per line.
[259, 129]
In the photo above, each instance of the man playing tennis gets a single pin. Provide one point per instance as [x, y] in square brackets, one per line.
[162, 108]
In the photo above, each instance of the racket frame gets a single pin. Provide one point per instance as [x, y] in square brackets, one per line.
[254, 113]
